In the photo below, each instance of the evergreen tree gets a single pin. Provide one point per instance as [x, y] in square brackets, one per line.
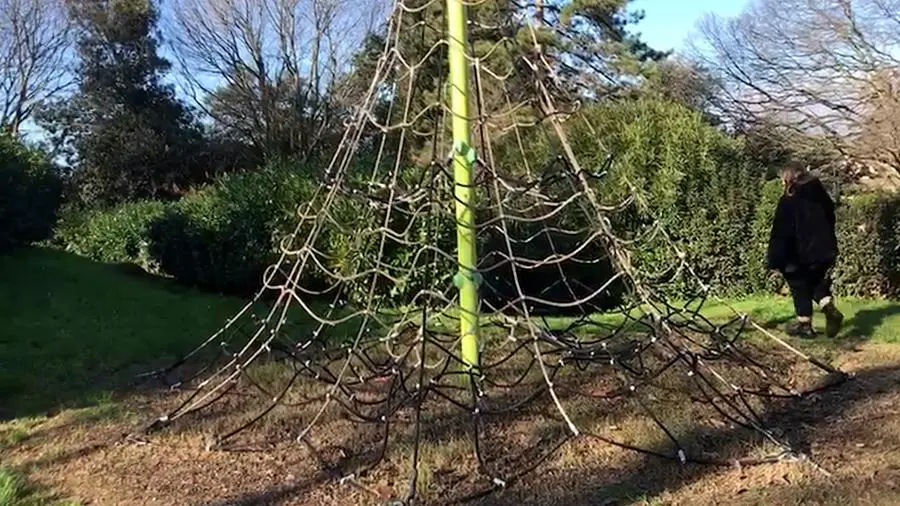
[125, 134]
[587, 44]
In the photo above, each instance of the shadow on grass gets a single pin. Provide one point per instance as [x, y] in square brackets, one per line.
[74, 329]
[866, 322]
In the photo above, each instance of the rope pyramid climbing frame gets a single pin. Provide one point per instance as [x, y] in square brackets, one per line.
[479, 293]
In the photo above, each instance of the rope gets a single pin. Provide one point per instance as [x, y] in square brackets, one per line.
[334, 324]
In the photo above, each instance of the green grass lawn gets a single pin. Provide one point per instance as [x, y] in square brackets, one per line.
[866, 320]
[66, 322]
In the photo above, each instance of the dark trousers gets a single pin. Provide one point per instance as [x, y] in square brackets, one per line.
[808, 285]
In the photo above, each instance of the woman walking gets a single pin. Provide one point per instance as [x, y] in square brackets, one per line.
[803, 247]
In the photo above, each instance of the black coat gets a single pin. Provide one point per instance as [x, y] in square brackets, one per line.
[803, 229]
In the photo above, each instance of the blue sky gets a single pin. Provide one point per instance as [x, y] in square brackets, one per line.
[668, 22]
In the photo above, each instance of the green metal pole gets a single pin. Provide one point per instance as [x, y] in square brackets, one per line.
[467, 280]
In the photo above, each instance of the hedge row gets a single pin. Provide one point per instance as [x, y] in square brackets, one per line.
[220, 238]
[30, 194]
[689, 176]
[224, 236]
[686, 177]
[696, 183]
[869, 238]
[120, 235]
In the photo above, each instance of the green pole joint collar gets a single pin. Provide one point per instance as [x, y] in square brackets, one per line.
[460, 278]
[468, 152]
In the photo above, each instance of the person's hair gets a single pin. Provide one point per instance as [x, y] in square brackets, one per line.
[791, 175]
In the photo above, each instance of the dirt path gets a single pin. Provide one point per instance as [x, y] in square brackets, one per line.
[853, 433]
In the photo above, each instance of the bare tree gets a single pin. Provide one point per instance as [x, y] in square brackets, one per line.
[880, 129]
[685, 82]
[34, 50]
[825, 68]
[269, 71]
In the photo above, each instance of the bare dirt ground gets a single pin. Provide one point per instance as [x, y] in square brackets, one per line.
[851, 434]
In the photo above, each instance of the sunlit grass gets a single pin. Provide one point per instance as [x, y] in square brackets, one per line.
[15, 491]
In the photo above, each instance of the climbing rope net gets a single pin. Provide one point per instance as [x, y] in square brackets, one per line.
[358, 320]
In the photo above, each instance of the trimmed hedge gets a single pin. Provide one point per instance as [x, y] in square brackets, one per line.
[398, 267]
[713, 204]
[869, 238]
[223, 237]
[689, 176]
[220, 238]
[30, 194]
[693, 179]
[759, 278]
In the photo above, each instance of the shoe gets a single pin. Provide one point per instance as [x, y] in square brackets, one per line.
[800, 329]
[834, 319]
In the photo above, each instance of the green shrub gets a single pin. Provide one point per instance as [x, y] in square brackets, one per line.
[759, 278]
[868, 232]
[684, 174]
[398, 264]
[116, 235]
[30, 194]
[689, 177]
[224, 236]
